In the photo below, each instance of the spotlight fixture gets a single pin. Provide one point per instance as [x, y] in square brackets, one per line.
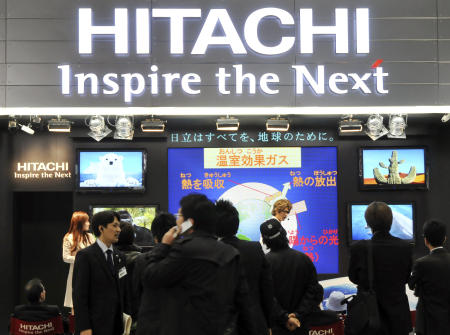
[12, 124]
[124, 128]
[397, 125]
[27, 129]
[277, 124]
[375, 127]
[227, 123]
[446, 117]
[153, 125]
[349, 126]
[98, 128]
[59, 125]
[35, 119]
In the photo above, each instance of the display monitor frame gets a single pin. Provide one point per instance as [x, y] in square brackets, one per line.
[389, 203]
[421, 186]
[111, 189]
[124, 206]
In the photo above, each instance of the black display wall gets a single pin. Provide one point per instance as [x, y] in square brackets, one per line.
[41, 220]
[431, 203]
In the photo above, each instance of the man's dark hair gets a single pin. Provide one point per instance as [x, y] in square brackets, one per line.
[201, 210]
[435, 232]
[103, 219]
[127, 233]
[161, 224]
[378, 216]
[227, 219]
[277, 243]
[33, 290]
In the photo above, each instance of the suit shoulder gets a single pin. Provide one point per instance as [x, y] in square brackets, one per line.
[358, 245]
[86, 252]
[250, 245]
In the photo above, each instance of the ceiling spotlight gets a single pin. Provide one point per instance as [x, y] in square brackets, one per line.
[35, 119]
[277, 124]
[12, 124]
[153, 125]
[349, 126]
[397, 125]
[227, 123]
[59, 125]
[124, 128]
[98, 128]
[446, 117]
[375, 127]
[27, 129]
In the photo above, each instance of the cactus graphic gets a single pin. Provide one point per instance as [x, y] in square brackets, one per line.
[394, 176]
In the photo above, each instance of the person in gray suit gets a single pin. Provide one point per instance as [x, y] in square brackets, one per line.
[430, 281]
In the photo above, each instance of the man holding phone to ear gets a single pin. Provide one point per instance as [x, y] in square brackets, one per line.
[99, 281]
[205, 274]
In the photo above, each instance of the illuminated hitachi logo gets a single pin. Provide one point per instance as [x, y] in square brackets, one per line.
[220, 18]
[41, 166]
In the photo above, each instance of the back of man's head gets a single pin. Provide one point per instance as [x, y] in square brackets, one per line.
[127, 234]
[103, 219]
[125, 216]
[435, 232]
[378, 216]
[227, 219]
[33, 290]
[199, 208]
[161, 224]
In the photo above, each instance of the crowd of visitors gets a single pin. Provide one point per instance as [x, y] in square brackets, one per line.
[200, 279]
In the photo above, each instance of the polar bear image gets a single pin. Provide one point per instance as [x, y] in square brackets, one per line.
[110, 171]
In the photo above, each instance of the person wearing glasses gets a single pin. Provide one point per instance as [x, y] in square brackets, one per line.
[281, 209]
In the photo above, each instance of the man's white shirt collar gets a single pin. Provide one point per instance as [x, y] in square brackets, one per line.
[436, 249]
[103, 246]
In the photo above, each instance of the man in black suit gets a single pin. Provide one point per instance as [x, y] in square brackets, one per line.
[392, 260]
[99, 276]
[202, 273]
[430, 281]
[149, 302]
[254, 263]
[35, 310]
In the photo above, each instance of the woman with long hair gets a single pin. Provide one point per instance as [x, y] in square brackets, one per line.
[77, 238]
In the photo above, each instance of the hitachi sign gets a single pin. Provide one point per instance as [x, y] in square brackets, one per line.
[220, 18]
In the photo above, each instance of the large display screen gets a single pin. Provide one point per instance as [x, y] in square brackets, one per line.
[402, 221]
[393, 168]
[254, 178]
[111, 170]
[140, 216]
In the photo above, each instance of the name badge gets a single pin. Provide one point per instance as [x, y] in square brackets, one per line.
[122, 272]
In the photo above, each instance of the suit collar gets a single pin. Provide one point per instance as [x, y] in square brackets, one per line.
[438, 250]
[381, 235]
